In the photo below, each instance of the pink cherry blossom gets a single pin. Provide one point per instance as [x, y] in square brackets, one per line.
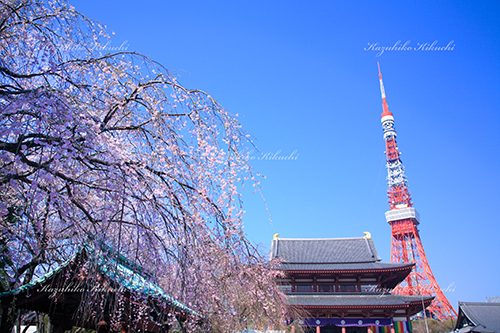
[111, 147]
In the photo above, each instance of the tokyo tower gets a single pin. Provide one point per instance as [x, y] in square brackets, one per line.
[406, 245]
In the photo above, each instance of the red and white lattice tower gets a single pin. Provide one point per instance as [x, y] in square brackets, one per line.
[406, 245]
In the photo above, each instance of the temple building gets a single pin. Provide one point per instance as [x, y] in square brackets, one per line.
[478, 317]
[342, 286]
[98, 289]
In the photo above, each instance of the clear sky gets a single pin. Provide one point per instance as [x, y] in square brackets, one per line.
[303, 77]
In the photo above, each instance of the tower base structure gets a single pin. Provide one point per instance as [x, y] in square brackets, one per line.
[406, 247]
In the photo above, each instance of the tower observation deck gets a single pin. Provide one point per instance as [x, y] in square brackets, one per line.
[406, 245]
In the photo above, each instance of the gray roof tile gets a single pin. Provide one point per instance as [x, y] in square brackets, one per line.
[356, 299]
[486, 316]
[325, 250]
[342, 266]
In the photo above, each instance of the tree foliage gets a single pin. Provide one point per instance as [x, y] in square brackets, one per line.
[434, 326]
[112, 146]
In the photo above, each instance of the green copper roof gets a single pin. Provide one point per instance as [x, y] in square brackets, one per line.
[117, 268]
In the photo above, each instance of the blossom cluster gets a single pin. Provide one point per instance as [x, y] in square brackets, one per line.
[111, 145]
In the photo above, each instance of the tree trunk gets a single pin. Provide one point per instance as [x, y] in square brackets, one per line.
[8, 318]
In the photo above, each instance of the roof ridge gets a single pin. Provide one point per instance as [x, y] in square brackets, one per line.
[330, 263]
[481, 303]
[326, 238]
[108, 253]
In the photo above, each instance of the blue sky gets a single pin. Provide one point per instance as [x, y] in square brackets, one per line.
[304, 81]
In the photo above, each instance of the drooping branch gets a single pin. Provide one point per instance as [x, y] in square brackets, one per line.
[91, 147]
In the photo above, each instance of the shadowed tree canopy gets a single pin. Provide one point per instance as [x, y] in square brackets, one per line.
[111, 147]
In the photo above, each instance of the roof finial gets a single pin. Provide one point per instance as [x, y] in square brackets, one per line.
[276, 236]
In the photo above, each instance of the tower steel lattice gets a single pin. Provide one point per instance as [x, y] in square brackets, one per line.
[406, 245]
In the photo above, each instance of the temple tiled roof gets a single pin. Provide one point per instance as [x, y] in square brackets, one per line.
[354, 299]
[343, 266]
[325, 250]
[114, 266]
[40, 281]
[484, 316]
